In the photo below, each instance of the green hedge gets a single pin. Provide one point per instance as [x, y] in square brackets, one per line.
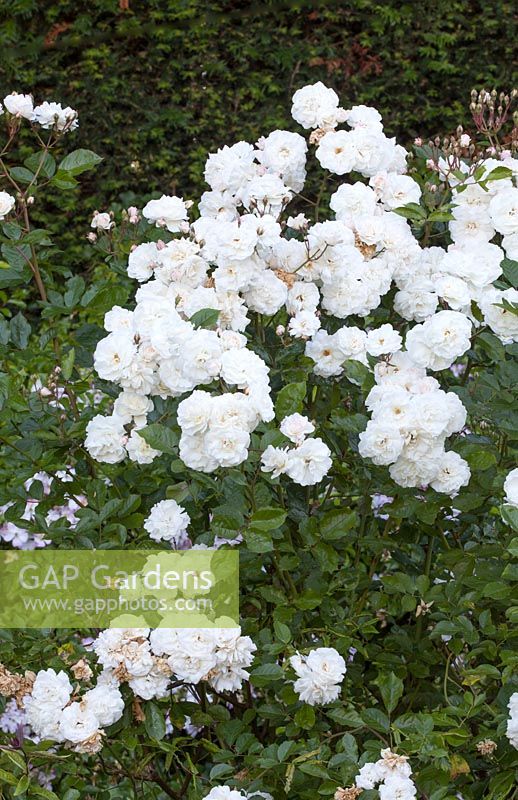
[166, 81]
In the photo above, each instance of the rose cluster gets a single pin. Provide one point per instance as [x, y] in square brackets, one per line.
[49, 115]
[55, 712]
[149, 660]
[307, 462]
[390, 775]
[187, 336]
[411, 417]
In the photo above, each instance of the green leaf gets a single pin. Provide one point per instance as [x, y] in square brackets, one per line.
[4, 389]
[67, 364]
[160, 438]
[20, 331]
[43, 163]
[282, 632]
[268, 519]
[510, 270]
[79, 161]
[205, 318]
[265, 674]
[391, 689]
[411, 211]
[258, 541]
[305, 717]
[155, 721]
[22, 785]
[21, 175]
[498, 173]
[290, 399]
[510, 516]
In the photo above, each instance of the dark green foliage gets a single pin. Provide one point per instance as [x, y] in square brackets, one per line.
[167, 81]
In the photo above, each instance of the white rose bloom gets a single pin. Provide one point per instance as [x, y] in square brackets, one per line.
[284, 153]
[511, 487]
[501, 321]
[78, 723]
[383, 340]
[382, 442]
[119, 320]
[415, 305]
[302, 296]
[304, 325]
[397, 788]
[275, 460]
[336, 152]
[326, 353]
[194, 412]
[369, 775]
[102, 221]
[440, 340]
[20, 105]
[453, 472]
[319, 675]
[105, 439]
[266, 194]
[51, 688]
[218, 205]
[167, 521]
[155, 684]
[399, 190]
[139, 450]
[364, 117]
[309, 463]
[267, 293]
[316, 106]
[353, 200]
[114, 355]
[510, 245]
[224, 793]
[228, 446]
[231, 168]
[296, 427]
[454, 291]
[512, 722]
[142, 261]
[167, 212]
[503, 210]
[105, 702]
[132, 407]
[7, 203]
[53, 115]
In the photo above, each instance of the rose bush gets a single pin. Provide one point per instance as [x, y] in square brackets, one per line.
[325, 383]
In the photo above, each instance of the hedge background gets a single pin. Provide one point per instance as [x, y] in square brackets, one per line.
[162, 82]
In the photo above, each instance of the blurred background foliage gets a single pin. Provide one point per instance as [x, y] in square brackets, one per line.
[159, 83]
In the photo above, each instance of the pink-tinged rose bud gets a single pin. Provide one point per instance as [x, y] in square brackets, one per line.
[465, 140]
[160, 245]
[418, 141]
[30, 200]
[505, 154]
[430, 163]
[133, 215]
[280, 330]
[44, 392]
[433, 188]
[184, 227]
[491, 151]
[92, 237]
